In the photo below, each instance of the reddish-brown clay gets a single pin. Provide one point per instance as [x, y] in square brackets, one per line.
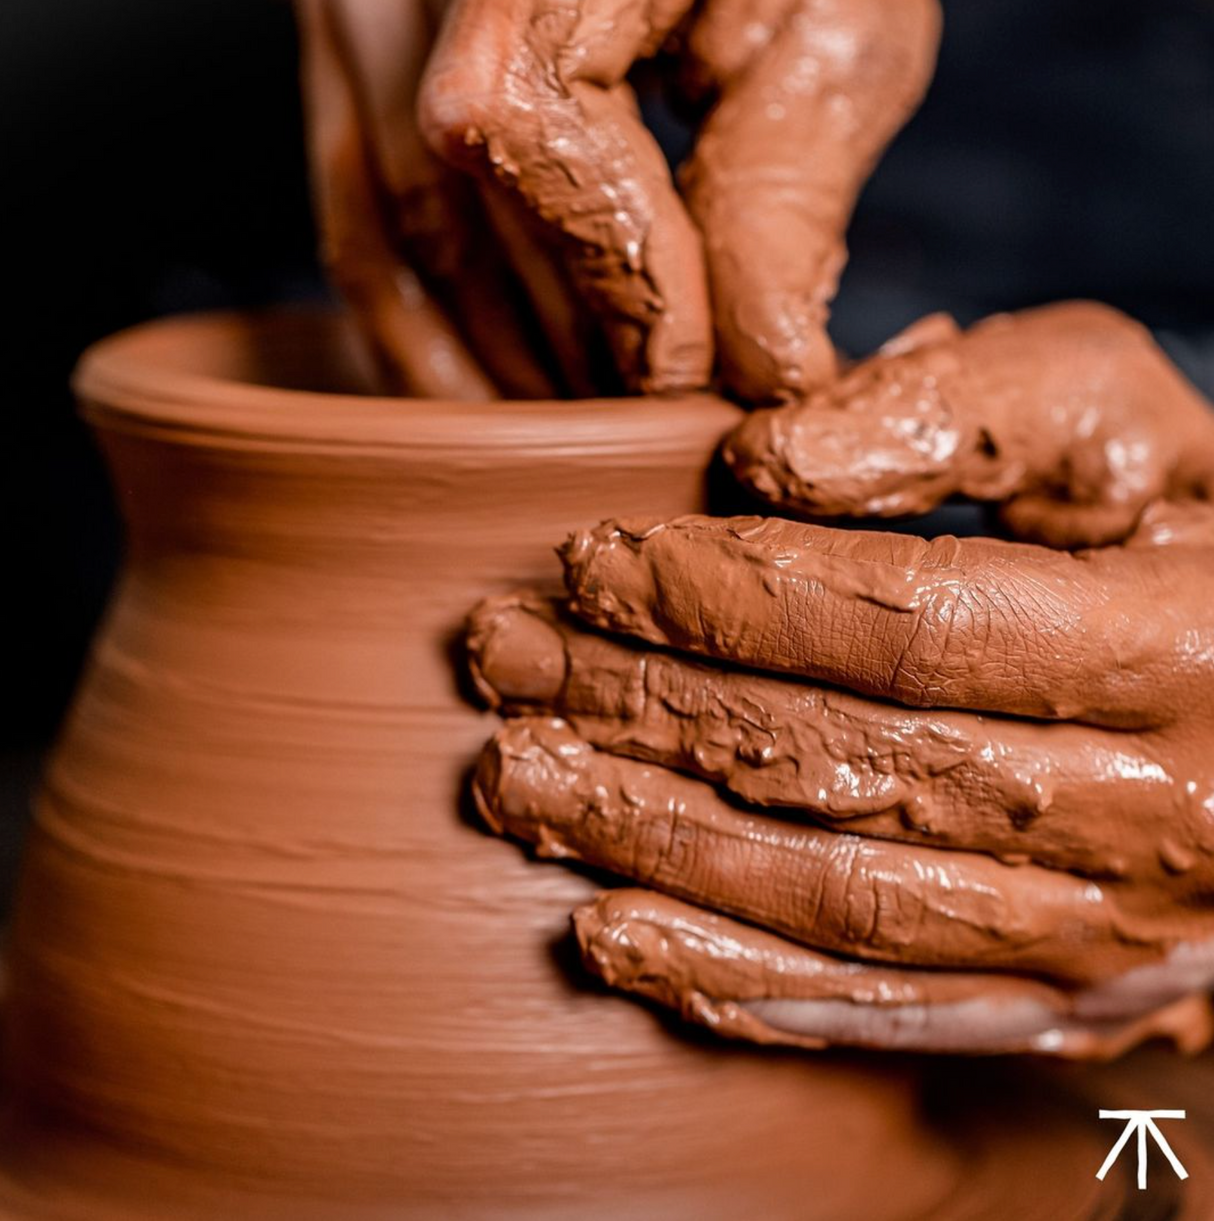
[1069, 415]
[1067, 837]
[261, 966]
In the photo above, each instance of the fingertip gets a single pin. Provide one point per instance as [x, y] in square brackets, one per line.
[604, 574]
[587, 922]
[928, 331]
[676, 339]
[1039, 517]
[678, 363]
[751, 452]
[515, 653]
[578, 551]
[528, 782]
[607, 941]
[460, 95]
[779, 360]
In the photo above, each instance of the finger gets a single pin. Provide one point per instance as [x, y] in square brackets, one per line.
[434, 212]
[865, 898]
[562, 317]
[1070, 413]
[779, 164]
[745, 983]
[527, 95]
[418, 349]
[725, 38]
[1061, 795]
[961, 623]
[1171, 524]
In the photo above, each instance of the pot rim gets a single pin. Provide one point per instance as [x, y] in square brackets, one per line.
[175, 375]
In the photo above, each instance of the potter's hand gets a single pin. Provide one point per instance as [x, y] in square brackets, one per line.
[1007, 779]
[1070, 416]
[531, 95]
[1066, 843]
[405, 238]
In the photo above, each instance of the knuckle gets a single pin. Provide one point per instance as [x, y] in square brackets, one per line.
[856, 906]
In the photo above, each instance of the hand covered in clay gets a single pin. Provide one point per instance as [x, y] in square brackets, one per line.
[805, 95]
[948, 795]
[406, 239]
[1069, 416]
[529, 98]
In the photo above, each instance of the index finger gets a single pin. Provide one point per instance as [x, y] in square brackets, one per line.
[432, 213]
[961, 623]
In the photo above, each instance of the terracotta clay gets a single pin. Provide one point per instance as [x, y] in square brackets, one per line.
[810, 93]
[418, 348]
[404, 238]
[531, 95]
[1013, 788]
[740, 981]
[261, 965]
[1100, 810]
[1069, 414]
[531, 100]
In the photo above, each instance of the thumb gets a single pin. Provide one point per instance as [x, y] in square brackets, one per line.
[1070, 415]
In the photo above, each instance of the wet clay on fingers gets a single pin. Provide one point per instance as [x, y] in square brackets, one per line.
[403, 236]
[961, 623]
[1067, 796]
[863, 897]
[810, 94]
[742, 982]
[807, 95]
[417, 347]
[530, 94]
[1070, 414]
[1008, 771]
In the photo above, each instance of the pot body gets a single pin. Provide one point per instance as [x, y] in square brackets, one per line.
[263, 958]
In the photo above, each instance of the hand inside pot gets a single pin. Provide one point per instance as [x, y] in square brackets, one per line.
[949, 795]
[405, 238]
[559, 187]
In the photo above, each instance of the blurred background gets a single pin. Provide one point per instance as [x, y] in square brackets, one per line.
[153, 163]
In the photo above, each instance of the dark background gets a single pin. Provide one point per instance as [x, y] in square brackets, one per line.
[152, 162]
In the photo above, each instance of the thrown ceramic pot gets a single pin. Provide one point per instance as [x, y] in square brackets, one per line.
[263, 962]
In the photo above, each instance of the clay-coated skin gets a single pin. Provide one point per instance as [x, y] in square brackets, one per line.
[531, 94]
[404, 238]
[529, 98]
[784, 993]
[1069, 415]
[810, 93]
[418, 348]
[979, 756]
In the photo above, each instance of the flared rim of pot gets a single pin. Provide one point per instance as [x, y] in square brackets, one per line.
[291, 376]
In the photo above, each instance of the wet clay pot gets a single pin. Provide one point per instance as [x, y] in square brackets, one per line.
[263, 962]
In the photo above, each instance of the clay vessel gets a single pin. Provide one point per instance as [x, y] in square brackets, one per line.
[263, 963]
